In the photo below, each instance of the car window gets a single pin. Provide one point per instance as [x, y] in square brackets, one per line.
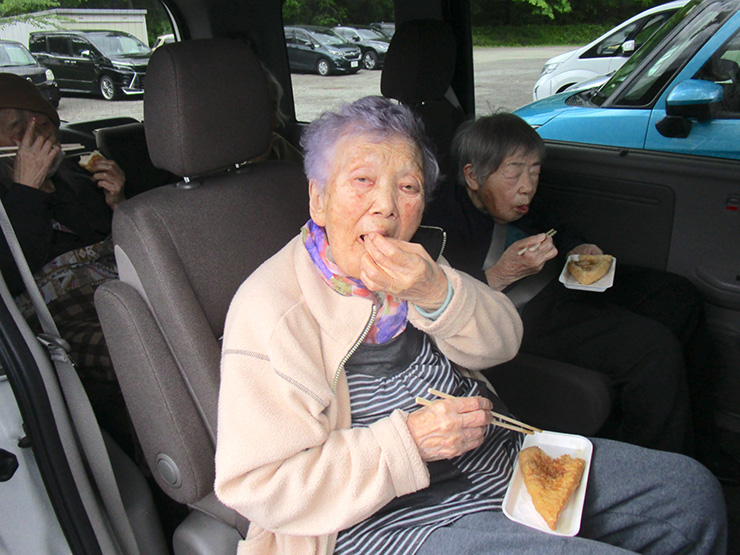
[58, 45]
[302, 39]
[650, 83]
[652, 25]
[723, 68]
[112, 44]
[15, 55]
[328, 38]
[78, 46]
[612, 45]
[371, 34]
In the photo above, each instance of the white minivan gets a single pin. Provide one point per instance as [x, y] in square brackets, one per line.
[604, 55]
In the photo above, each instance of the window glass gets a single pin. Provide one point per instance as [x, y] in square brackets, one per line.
[649, 28]
[115, 44]
[78, 46]
[612, 45]
[148, 23]
[346, 78]
[58, 45]
[650, 83]
[15, 55]
[723, 68]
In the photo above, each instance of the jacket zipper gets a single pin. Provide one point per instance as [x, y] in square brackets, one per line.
[354, 348]
[341, 366]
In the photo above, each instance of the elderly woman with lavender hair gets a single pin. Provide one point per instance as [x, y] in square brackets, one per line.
[328, 345]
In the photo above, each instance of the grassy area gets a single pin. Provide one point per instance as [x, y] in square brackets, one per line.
[537, 35]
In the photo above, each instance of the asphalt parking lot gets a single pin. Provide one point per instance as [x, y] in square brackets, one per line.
[504, 78]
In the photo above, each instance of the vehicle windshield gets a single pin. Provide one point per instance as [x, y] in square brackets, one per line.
[682, 47]
[15, 55]
[113, 44]
[327, 37]
[371, 34]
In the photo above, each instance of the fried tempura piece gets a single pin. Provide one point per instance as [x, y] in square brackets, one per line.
[550, 481]
[590, 268]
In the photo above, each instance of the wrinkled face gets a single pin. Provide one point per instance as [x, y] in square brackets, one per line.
[13, 124]
[507, 192]
[374, 186]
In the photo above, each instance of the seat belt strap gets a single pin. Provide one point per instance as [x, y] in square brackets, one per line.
[78, 403]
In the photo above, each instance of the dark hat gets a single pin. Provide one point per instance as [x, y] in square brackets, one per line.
[19, 93]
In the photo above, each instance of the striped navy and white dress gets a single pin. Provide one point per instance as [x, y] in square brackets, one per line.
[389, 376]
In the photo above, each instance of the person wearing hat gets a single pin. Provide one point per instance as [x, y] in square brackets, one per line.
[61, 214]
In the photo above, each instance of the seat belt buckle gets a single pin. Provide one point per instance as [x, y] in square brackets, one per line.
[58, 348]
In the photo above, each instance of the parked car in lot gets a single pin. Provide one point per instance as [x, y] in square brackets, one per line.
[604, 55]
[374, 44]
[654, 207]
[386, 27]
[111, 63]
[319, 49]
[677, 95]
[15, 58]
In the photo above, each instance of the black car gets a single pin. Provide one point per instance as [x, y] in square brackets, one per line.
[15, 58]
[319, 49]
[374, 43]
[112, 63]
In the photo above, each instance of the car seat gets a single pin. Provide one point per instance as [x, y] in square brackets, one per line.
[417, 72]
[126, 145]
[183, 250]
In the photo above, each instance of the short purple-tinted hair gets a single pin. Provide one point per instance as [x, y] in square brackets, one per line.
[371, 116]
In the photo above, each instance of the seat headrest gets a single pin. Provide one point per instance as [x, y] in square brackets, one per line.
[420, 62]
[206, 106]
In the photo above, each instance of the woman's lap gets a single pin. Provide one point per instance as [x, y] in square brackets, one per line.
[637, 499]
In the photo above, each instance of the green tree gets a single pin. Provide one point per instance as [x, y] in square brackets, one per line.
[317, 12]
[13, 8]
[548, 8]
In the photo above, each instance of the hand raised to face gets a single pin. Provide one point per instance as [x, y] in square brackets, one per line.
[404, 270]
[37, 152]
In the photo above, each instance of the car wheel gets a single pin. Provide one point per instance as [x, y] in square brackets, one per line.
[323, 67]
[370, 60]
[107, 87]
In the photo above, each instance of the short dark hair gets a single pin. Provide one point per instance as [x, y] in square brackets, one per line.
[485, 142]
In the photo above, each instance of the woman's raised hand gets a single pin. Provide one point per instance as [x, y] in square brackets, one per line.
[35, 156]
[404, 270]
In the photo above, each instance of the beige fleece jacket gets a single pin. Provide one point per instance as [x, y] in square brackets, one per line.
[286, 456]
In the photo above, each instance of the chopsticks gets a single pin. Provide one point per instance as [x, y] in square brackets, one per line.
[6, 151]
[537, 246]
[515, 425]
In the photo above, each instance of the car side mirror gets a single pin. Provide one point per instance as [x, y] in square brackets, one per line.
[628, 47]
[356, 39]
[691, 98]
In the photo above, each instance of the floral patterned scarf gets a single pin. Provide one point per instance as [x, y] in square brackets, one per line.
[391, 314]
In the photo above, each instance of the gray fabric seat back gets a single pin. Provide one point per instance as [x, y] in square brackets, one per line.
[418, 71]
[184, 249]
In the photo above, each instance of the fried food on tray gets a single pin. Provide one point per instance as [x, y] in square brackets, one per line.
[590, 268]
[550, 482]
